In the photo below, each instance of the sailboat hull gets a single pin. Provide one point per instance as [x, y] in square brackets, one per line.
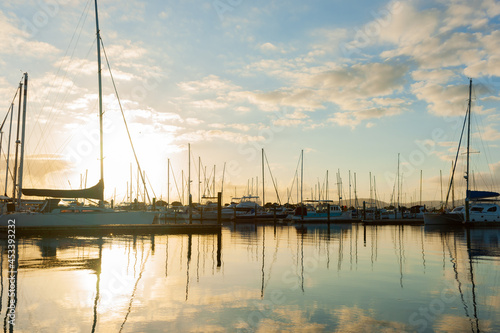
[79, 219]
[443, 219]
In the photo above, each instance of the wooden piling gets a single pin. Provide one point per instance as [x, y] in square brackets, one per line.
[219, 207]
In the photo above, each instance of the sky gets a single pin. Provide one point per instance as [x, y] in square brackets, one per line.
[352, 84]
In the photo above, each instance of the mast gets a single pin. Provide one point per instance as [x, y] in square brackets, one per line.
[168, 182]
[23, 136]
[222, 183]
[468, 153]
[8, 149]
[263, 186]
[420, 187]
[350, 203]
[452, 189]
[339, 187]
[189, 182]
[14, 178]
[101, 143]
[199, 180]
[441, 182]
[397, 209]
[371, 189]
[355, 193]
[301, 175]
[327, 185]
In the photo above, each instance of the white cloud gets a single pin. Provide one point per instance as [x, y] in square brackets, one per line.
[475, 15]
[211, 83]
[211, 135]
[489, 133]
[438, 76]
[448, 100]
[16, 41]
[407, 25]
[268, 47]
[354, 118]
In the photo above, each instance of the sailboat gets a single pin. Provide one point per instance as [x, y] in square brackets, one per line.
[479, 207]
[52, 215]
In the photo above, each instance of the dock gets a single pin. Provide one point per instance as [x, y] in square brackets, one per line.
[110, 230]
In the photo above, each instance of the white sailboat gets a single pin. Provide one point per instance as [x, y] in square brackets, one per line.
[478, 208]
[50, 215]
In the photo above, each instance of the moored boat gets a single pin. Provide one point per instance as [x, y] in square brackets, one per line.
[321, 211]
[52, 215]
[479, 206]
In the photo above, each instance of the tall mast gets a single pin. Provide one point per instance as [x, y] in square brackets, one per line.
[301, 175]
[263, 186]
[371, 190]
[327, 185]
[468, 152]
[397, 208]
[168, 183]
[355, 193]
[98, 34]
[420, 187]
[14, 178]
[350, 203]
[199, 180]
[441, 182]
[452, 189]
[8, 149]
[222, 183]
[23, 136]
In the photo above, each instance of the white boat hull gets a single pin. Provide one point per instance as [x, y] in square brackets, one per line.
[79, 219]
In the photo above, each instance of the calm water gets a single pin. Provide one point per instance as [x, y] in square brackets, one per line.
[265, 278]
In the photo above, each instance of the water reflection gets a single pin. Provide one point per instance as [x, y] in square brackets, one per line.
[331, 278]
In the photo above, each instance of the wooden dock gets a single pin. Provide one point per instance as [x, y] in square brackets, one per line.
[394, 222]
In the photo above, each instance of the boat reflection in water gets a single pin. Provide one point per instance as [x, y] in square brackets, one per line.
[331, 278]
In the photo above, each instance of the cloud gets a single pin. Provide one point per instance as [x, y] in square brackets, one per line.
[241, 127]
[405, 25]
[474, 15]
[448, 100]
[490, 134]
[359, 87]
[304, 99]
[268, 47]
[211, 135]
[438, 76]
[211, 83]
[15, 41]
[354, 118]
[44, 168]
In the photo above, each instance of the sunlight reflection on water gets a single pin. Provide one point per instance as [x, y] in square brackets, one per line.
[260, 278]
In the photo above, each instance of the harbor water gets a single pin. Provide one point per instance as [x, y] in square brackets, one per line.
[255, 278]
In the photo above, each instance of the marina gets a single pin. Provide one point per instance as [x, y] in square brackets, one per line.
[231, 166]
